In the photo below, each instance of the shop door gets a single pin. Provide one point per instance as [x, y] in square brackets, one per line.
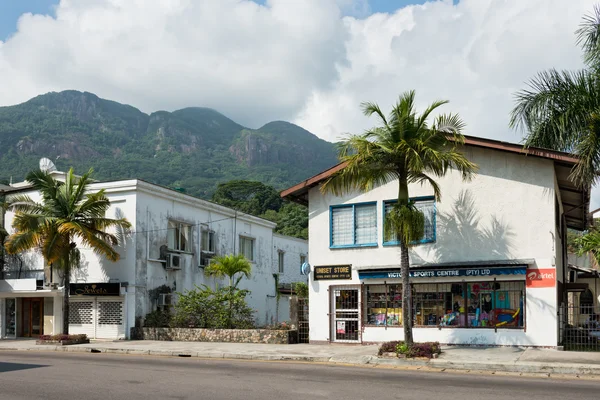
[98, 318]
[33, 317]
[345, 302]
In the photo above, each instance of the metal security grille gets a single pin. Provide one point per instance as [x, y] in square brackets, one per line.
[303, 326]
[346, 325]
[100, 318]
[81, 312]
[110, 313]
[579, 326]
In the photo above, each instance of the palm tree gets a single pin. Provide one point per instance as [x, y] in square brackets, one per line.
[403, 148]
[230, 266]
[560, 110]
[67, 215]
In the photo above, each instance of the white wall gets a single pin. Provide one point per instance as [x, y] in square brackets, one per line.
[506, 212]
[154, 211]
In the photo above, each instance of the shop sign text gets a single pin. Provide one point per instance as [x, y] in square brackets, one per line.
[541, 278]
[333, 272]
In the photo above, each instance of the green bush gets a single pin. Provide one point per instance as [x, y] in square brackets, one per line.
[221, 308]
[389, 347]
[158, 319]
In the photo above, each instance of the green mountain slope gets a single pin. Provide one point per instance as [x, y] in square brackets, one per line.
[194, 148]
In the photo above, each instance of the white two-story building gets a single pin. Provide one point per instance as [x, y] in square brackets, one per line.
[488, 271]
[173, 238]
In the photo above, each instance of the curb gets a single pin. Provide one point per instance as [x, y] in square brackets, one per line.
[436, 364]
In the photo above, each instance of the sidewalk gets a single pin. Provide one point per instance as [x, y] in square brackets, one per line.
[506, 359]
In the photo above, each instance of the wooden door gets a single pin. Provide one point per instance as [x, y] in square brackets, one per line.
[32, 319]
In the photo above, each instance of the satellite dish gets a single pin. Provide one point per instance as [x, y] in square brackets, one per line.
[305, 269]
[47, 165]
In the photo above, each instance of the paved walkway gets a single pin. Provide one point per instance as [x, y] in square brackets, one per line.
[509, 359]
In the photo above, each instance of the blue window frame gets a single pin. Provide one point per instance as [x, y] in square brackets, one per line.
[427, 206]
[353, 225]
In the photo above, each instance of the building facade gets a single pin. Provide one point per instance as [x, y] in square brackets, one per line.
[173, 238]
[488, 271]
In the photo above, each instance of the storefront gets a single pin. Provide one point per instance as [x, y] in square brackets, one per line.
[27, 315]
[487, 304]
[97, 310]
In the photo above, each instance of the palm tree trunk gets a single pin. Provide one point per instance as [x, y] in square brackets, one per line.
[406, 294]
[403, 198]
[67, 281]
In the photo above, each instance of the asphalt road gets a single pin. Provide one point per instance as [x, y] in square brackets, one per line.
[104, 377]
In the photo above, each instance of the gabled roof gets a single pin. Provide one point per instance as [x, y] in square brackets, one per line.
[575, 200]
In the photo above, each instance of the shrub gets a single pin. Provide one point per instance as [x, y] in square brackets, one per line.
[427, 349]
[158, 319]
[389, 347]
[203, 307]
[61, 336]
[301, 289]
[402, 348]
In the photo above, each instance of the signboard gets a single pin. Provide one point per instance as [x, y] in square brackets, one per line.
[541, 278]
[95, 289]
[341, 327]
[442, 273]
[333, 272]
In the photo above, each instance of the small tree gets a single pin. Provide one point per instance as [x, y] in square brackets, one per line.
[68, 213]
[230, 266]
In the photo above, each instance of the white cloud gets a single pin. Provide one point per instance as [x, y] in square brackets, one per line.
[251, 62]
[296, 60]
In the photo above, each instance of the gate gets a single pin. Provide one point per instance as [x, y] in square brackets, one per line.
[299, 317]
[97, 318]
[345, 315]
[579, 327]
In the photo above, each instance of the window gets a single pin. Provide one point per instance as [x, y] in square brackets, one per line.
[302, 260]
[280, 260]
[247, 247]
[383, 305]
[354, 225]
[473, 304]
[208, 241]
[179, 236]
[427, 206]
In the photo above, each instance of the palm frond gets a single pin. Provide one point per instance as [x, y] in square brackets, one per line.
[588, 37]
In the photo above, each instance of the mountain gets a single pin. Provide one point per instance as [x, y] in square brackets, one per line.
[193, 148]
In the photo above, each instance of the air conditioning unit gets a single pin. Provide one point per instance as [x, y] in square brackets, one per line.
[205, 259]
[165, 299]
[174, 261]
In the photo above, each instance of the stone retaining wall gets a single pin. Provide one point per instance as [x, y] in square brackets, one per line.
[216, 335]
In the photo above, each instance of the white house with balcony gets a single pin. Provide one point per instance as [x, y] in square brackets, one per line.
[489, 269]
[174, 236]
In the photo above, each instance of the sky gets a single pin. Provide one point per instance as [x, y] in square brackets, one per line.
[311, 62]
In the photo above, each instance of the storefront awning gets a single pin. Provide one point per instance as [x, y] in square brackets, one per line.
[439, 271]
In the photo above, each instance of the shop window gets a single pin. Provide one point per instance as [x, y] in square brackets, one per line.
[247, 247]
[427, 206]
[439, 304]
[383, 305]
[496, 304]
[179, 236]
[354, 225]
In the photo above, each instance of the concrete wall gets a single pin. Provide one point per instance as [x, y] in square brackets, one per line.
[506, 212]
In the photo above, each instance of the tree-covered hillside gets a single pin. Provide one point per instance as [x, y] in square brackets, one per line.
[193, 148]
